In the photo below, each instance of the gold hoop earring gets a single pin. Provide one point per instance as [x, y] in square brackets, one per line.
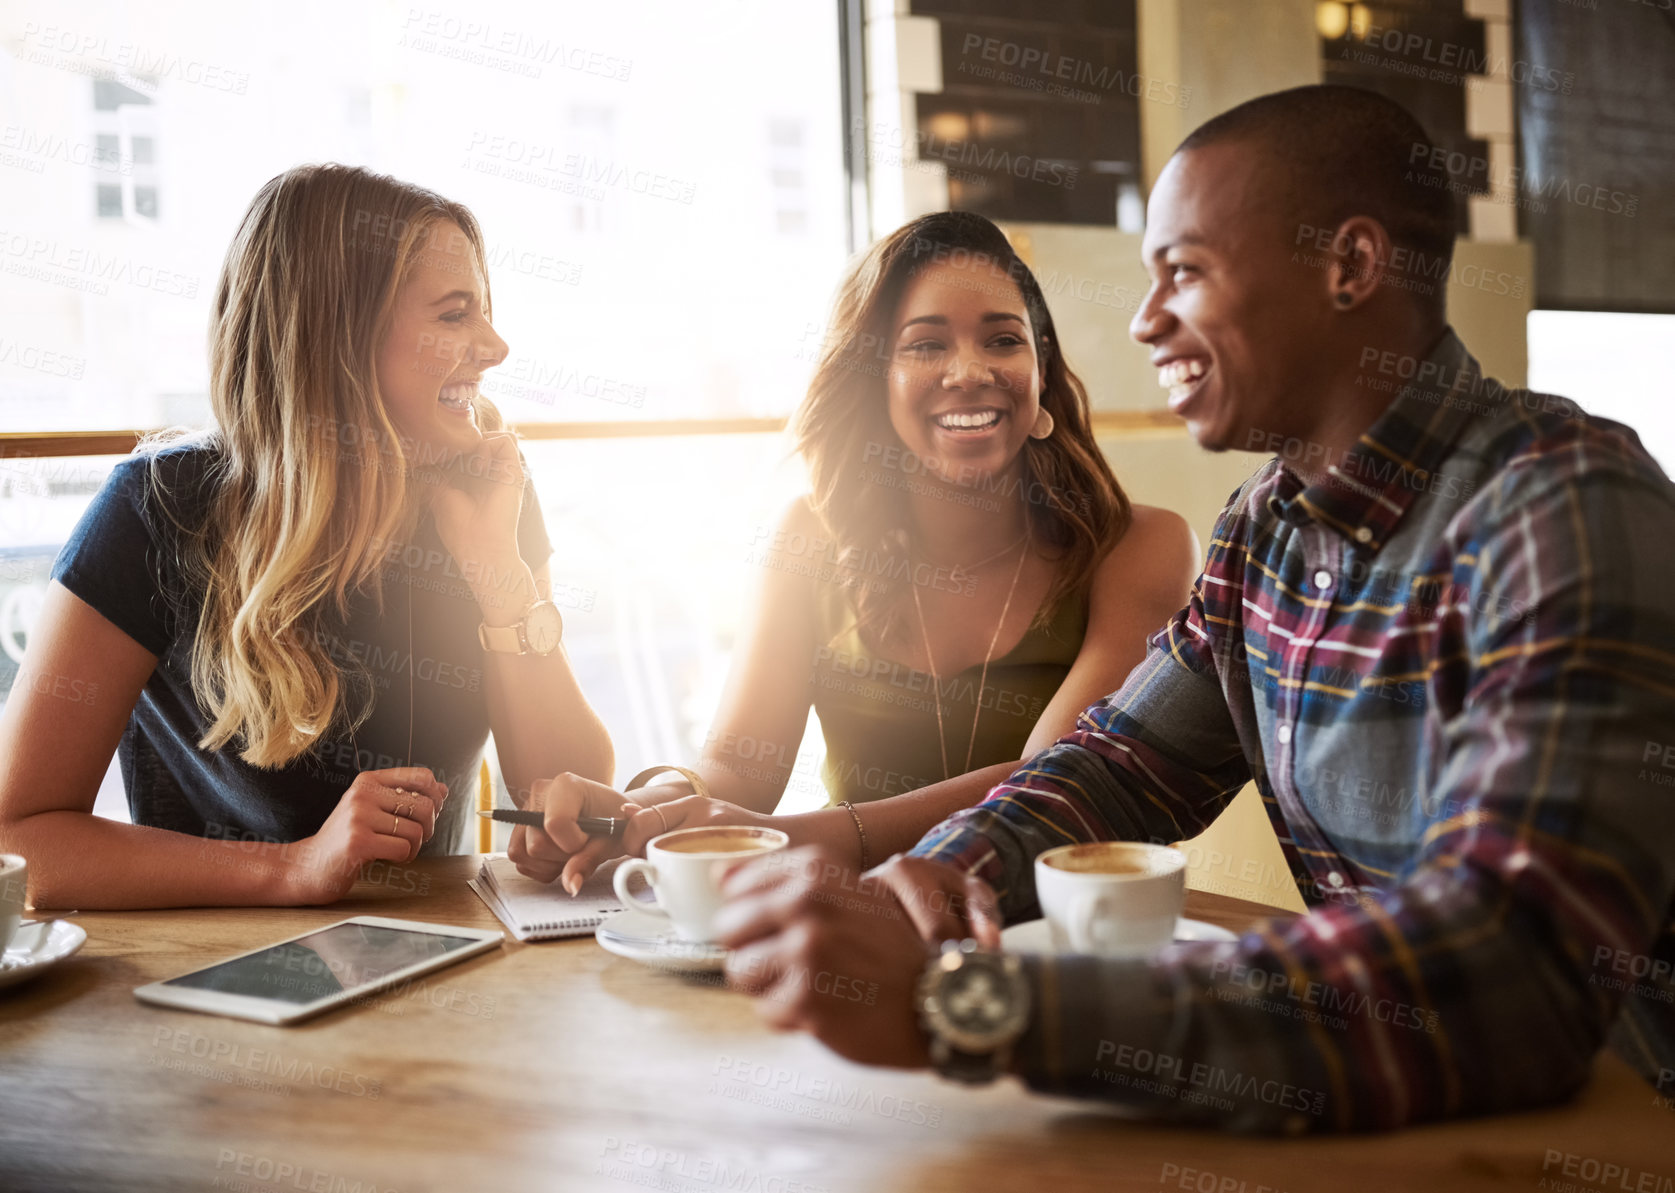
[1043, 426]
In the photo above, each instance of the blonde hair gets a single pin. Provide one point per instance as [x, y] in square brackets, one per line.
[311, 482]
[1071, 498]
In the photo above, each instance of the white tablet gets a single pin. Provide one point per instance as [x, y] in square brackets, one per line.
[319, 970]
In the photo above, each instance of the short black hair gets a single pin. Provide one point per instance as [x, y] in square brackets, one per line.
[1344, 151]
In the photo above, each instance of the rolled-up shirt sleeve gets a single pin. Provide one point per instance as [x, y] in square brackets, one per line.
[1472, 982]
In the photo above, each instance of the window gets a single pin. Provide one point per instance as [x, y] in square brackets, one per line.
[124, 133]
[1423, 54]
[1038, 117]
[1596, 140]
[1614, 365]
[624, 162]
[790, 180]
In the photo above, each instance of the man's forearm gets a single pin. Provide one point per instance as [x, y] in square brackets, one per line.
[1460, 992]
[1093, 785]
[1112, 777]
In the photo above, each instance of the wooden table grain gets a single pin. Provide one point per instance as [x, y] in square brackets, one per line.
[557, 1066]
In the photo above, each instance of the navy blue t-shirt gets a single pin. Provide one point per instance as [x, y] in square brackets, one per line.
[122, 559]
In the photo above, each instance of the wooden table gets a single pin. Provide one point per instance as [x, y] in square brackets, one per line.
[560, 1067]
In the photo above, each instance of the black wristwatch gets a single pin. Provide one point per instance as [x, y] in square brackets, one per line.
[974, 1004]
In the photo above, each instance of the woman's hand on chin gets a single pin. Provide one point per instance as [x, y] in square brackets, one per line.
[476, 512]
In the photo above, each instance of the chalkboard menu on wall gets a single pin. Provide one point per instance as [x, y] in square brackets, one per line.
[1038, 117]
[1422, 54]
[1596, 155]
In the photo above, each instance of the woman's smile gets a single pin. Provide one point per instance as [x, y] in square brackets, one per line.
[460, 398]
[969, 424]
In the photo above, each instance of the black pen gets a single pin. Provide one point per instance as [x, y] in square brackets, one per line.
[593, 826]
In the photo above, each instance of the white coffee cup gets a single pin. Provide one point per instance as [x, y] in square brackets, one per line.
[1111, 898]
[14, 884]
[684, 869]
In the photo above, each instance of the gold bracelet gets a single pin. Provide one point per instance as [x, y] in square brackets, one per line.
[861, 832]
[699, 787]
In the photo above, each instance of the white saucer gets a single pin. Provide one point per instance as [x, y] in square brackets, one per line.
[649, 939]
[36, 947]
[1035, 936]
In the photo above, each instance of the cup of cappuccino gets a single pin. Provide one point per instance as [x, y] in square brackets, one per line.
[684, 869]
[1111, 898]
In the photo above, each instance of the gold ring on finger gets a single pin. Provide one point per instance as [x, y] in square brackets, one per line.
[395, 824]
[661, 819]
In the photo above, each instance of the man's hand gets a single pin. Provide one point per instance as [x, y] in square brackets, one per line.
[838, 955]
[944, 903]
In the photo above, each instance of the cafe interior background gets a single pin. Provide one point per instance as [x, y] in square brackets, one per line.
[670, 190]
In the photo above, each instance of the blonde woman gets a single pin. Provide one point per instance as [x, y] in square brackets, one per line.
[966, 576]
[299, 628]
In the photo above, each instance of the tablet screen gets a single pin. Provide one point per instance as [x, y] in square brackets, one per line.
[323, 963]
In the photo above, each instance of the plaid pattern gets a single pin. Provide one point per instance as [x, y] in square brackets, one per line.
[1450, 671]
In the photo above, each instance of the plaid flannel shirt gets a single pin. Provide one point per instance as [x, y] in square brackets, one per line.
[1449, 669]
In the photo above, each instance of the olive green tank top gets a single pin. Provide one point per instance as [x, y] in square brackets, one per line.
[879, 716]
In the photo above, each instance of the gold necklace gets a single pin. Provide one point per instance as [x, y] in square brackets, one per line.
[960, 571]
[983, 677]
[409, 755]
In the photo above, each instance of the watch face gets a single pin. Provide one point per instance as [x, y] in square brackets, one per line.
[543, 627]
[976, 1003]
[976, 1000]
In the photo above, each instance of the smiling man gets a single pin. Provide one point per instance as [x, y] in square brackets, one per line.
[1438, 633]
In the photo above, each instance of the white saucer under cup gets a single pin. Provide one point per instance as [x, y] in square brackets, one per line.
[647, 938]
[28, 948]
[1036, 936]
[37, 947]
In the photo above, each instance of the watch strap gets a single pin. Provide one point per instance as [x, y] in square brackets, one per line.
[514, 638]
[502, 639]
[969, 1068]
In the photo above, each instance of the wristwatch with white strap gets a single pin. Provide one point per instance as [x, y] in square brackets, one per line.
[538, 633]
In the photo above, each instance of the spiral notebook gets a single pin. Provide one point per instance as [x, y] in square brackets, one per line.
[541, 911]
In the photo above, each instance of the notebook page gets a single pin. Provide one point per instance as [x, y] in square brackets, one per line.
[539, 910]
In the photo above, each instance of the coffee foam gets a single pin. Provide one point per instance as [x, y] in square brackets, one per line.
[718, 840]
[1114, 858]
